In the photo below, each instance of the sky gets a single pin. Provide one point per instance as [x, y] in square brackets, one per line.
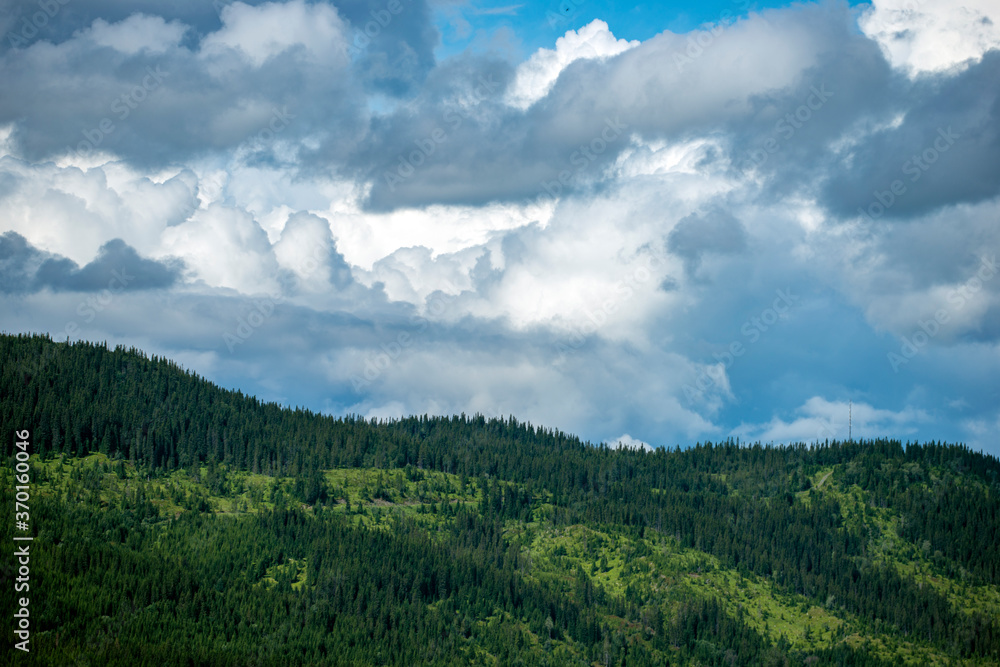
[654, 224]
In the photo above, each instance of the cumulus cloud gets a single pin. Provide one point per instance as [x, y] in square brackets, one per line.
[934, 271]
[535, 77]
[922, 36]
[248, 265]
[263, 32]
[567, 141]
[307, 249]
[138, 33]
[72, 212]
[166, 99]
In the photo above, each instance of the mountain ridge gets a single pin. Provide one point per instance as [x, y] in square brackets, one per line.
[850, 553]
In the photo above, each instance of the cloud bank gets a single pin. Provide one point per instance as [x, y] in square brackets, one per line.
[731, 232]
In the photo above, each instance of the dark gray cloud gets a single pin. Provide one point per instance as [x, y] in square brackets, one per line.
[18, 262]
[460, 143]
[786, 135]
[161, 106]
[945, 151]
[454, 143]
[783, 129]
[404, 41]
[457, 142]
[24, 22]
[394, 51]
[714, 232]
[25, 269]
[564, 142]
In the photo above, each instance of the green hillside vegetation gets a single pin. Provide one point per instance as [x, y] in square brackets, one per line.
[179, 523]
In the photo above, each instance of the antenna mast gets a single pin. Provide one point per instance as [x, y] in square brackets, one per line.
[850, 420]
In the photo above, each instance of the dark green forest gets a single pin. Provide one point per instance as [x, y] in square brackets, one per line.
[178, 523]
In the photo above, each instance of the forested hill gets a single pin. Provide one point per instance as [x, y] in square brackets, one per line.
[179, 523]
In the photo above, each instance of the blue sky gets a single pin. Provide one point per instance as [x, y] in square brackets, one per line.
[654, 223]
[534, 25]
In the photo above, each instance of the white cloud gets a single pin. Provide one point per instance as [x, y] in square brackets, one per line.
[225, 247]
[306, 248]
[584, 392]
[65, 211]
[73, 212]
[923, 271]
[626, 441]
[137, 33]
[981, 433]
[536, 76]
[265, 31]
[820, 419]
[413, 274]
[933, 35]
[365, 237]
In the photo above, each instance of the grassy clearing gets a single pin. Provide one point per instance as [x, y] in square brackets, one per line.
[888, 548]
[293, 572]
[400, 486]
[108, 482]
[657, 570]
